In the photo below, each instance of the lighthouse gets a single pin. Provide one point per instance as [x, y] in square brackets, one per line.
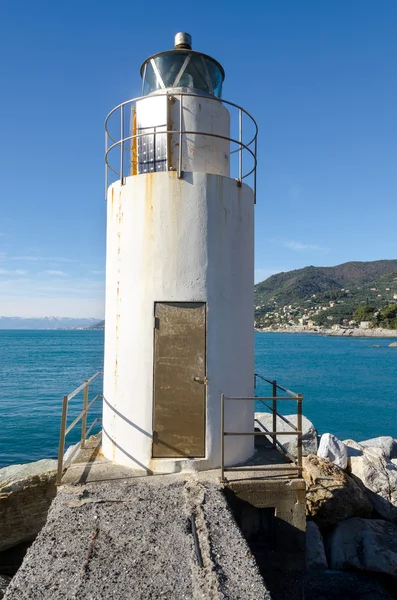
[180, 187]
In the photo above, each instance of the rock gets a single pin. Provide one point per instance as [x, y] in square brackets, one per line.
[378, 476]
[26, 492]
[69, 453]
[335, 585]
[4, 581]
[309, 433]
[365, 545]
[393, 345]
[315, 552]
[353, 449]
[333, 449]
[386, 443]
[331, 495]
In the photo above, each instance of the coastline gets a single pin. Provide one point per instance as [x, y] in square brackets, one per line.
[351, 332]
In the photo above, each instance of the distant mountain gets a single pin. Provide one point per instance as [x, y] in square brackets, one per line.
[45, 323]
[97, 325]
[314, 289]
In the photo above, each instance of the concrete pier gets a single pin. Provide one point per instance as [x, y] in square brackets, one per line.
[113, 532]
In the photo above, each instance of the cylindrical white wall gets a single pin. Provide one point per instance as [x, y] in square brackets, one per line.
[201, 114]
[187, 240]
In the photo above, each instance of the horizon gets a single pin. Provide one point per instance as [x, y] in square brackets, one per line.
[102, 318]
[315, 77]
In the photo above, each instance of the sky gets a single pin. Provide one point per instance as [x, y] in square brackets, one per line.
[319, 78]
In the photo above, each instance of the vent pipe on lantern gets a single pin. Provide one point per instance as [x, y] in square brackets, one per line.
[183, 41]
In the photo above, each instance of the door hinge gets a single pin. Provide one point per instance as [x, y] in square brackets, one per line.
[156, 323]
[203, 381]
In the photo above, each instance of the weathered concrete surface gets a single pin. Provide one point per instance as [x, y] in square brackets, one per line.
[332, 495]
[315, 551]
[4, 582]
[364, 544]
[132, 539]
[26, 492]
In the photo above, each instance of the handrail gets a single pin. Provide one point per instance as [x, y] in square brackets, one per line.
[297, 430]
[81, 417]
[241, 145]
[279, 387]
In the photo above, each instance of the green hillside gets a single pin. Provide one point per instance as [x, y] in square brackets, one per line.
[325, 295]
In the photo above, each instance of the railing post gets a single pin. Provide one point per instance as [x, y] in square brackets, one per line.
[274, 383]
[240, 122]
[299, 425]
[84, 418]
[106, 165]
[61, 449]
[256, 162]
[222, 438]
[122, 145]
[180, 137]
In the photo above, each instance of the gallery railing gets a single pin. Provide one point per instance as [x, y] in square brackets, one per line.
[121, 149]
[271, 435]
[81, 417]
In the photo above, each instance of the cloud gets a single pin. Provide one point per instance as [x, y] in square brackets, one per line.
[41, 296]
[35, 257]
[54, 272]
[293, 245]
[13, 272]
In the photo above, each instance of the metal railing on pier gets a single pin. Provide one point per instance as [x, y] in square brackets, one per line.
[271, 435]
[81, 417]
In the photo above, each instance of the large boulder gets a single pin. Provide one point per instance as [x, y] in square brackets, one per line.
[386, 443]
[309, 433]
[315, 552]
[26, 492]
[377, 475]
[364, 544]
[333, 449]
[337, 585]
[331, 495]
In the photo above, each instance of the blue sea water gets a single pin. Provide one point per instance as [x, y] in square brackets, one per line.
[37, 368]
[349, 387]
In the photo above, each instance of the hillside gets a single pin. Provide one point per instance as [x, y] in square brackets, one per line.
[326, 295]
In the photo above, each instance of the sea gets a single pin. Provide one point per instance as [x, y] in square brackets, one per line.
[349, 387]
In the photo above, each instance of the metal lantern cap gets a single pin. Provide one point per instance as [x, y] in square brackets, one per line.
[183, 40]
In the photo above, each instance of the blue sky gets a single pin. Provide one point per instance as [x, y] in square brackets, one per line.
[319, 77]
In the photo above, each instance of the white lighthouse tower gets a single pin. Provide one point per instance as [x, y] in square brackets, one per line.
[179, 269]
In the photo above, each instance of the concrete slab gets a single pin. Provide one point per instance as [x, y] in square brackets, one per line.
[90, 466]
[264, 484]
[133, 539]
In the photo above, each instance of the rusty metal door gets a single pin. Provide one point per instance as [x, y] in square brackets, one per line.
[179, 379]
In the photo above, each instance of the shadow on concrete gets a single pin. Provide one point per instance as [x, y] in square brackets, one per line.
[278, 546]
